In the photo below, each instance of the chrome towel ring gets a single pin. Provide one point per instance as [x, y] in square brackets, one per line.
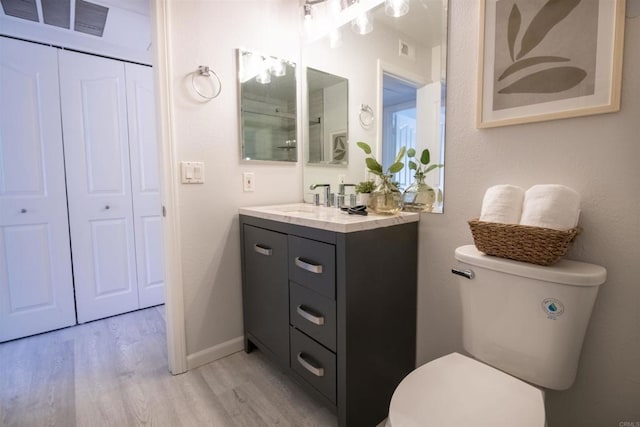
[206, 71]
[366, 116]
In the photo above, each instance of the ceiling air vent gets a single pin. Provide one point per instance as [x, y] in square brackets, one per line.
[25, 9]
[56, 12]
[90, 18]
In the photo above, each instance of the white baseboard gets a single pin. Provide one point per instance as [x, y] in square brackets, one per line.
[216, 352]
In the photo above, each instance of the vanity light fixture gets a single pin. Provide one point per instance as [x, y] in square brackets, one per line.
[308, 6]
[278, 68]
[307, 13]
[396, 8]
[363, 24]
[264, 76]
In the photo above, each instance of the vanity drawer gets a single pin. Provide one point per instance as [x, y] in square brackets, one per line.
[313, 314]
[313, 265]
[314, 363]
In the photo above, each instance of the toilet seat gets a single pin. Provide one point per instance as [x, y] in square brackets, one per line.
[456, 390]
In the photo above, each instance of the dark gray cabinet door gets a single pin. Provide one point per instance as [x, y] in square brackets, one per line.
[267, 290]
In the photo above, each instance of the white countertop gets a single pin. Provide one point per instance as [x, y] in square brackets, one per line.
[331, 219]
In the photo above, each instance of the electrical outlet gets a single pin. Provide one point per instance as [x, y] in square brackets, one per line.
[248, 182]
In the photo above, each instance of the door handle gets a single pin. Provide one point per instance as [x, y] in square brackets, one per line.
[311, 317]
[313, 268]
[262, 250]
[317, 371]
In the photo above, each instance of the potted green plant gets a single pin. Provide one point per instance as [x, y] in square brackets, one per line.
[363, 189]
[386, 198]
[419, 197]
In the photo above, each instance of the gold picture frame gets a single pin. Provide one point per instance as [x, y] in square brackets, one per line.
[545, 60]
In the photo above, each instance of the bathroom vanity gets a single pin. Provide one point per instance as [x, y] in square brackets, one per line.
[331, 299]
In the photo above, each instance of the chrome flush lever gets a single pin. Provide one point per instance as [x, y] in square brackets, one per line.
[469, 274]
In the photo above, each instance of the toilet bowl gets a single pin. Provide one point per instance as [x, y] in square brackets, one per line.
[524, 325]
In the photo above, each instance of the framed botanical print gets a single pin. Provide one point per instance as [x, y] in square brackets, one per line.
[548, 59]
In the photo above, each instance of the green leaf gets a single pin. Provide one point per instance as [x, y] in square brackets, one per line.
[364, 146]
[396, 167]
[413, 165]
[425, 158]
[432, 167]
[400, 154]
[373, 165]
[411, 152]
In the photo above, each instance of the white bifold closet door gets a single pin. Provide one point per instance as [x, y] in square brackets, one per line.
[36, 287]
[145, 184]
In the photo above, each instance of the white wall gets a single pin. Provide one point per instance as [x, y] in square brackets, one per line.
[598, 156]
[208, 33]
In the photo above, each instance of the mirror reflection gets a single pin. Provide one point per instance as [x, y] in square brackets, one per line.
[395, 66]
[327, 106]
[268, 107]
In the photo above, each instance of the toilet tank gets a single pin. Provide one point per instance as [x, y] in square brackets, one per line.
[525, 319]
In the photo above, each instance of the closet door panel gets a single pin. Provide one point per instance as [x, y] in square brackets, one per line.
[36, 285]
[145, 184]
[96, 145]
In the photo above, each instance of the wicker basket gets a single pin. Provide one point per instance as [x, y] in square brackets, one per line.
[536, 245]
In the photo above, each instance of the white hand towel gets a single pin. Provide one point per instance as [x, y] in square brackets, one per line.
[503, 204]
[551, 206]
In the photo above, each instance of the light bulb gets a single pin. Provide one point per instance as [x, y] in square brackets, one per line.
[396, 8]
[264, 76]
[278, 68]
[363, 23]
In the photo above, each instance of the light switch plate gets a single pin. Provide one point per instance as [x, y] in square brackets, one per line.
[192, 172]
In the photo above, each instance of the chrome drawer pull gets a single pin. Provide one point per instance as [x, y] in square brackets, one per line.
[317, 320]
[313, 268]
[262, 250]
[318, 372]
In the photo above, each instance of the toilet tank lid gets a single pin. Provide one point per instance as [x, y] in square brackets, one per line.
[565, 271]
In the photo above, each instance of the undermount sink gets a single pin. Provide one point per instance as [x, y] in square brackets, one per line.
[295, 208]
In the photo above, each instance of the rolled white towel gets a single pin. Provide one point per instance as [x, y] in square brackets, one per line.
[503, 204]
[551, 206]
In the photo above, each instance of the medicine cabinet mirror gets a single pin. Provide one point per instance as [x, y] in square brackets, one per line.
[268, 107]
[396, 77]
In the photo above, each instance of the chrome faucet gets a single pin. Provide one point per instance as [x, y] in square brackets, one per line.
[341, 198]
[327, 190]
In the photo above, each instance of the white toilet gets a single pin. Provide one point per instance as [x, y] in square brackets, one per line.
[526, 323]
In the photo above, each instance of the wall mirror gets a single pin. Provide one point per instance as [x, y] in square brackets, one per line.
[396, 73]
[268, 107]
[328, 124]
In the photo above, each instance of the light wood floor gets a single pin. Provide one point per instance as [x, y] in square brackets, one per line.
[113, 372]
